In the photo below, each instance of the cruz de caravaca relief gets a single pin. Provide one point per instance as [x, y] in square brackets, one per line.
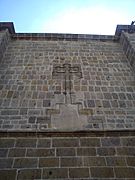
[68, 113]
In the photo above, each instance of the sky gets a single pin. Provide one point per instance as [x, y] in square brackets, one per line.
[67, 16]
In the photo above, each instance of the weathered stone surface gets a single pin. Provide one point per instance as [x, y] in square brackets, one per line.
[3, 152]
[68, 118]
[91, 142]
[44, 142]
[125, 172]
[68, 157]
[78, 172]
[126, 151]
[49, 162]
[94, 161]
[106, 151]
[130, 161]
[7, 143]
[68, 86]
[65, 152]
[85, 151]
[71, 162]
[16, 152]
[75, 84]
[128, 141]
[29, 174]
[55, 173]
[8, 174]
[25, 163]
[100, 172]
[6, 163]
[41, 152]
[115, 161]
[46, 103]
[26, 142]
[68, 142]
[110, 141]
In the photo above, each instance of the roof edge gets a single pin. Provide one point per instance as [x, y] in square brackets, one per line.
[61, 36]
[7, 25]
[126, 28]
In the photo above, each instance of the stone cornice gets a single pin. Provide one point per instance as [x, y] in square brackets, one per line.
[92, 133]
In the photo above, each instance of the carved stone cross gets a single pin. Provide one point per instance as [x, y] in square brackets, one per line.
[67, 72]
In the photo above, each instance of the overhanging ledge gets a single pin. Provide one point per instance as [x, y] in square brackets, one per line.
[93, 133]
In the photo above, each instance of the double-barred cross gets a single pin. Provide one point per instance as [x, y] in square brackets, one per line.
[67, 71]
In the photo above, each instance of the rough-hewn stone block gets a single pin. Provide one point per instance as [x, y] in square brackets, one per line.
[29, 174]
[46, 103]
[55, 173]
[49, 162]
[115, 161]
[79, 173]
[94, 161]
[128, 141]
[71, 162]
[10, 112]
[6, 163]
[122, 172]
[106, 151]
[25, 162]
[3, 152]
[86, 151]
[16, 152]
[130, 161]
[126, 151]
[91, 142]
[44, 142]
[110, 141]
[8, 174]
[65, 152]
[101, 172]
[26, 142]
[40, 152]
[68, 142]
[6, 143]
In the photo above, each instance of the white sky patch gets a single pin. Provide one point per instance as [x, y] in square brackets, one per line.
[94, 20]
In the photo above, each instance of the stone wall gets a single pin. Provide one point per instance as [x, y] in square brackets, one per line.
[4, 40]
[94, 156]
[128, 43]
[66, 85]
[67, 108]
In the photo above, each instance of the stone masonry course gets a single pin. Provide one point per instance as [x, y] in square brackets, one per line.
[63, 157]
